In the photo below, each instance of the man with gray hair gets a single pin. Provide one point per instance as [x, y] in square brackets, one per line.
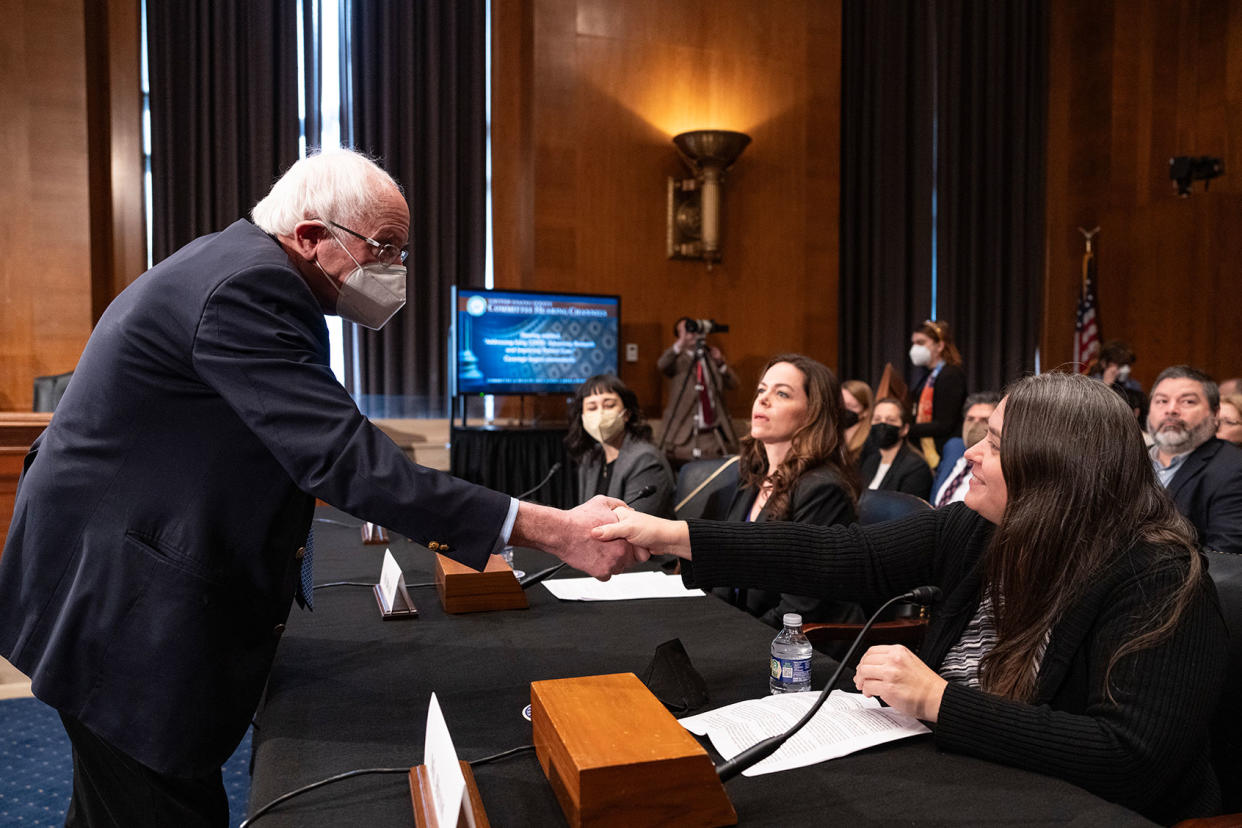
[160, 532]
[1202, 473]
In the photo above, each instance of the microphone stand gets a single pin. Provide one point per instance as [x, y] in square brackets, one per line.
[762, 750]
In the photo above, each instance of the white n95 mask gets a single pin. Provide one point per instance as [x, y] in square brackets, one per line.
[371, 294]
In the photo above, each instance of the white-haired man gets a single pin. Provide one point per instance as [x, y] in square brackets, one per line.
[161, 527]
[1202, 473]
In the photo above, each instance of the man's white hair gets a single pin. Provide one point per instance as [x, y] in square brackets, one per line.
[337, 185]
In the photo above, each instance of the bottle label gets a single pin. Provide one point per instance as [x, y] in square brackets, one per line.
[791, 670]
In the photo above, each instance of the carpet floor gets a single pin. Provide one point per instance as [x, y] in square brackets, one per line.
[36, 767]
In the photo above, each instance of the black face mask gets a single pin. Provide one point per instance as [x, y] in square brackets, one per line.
[848, 419]
[885, 435]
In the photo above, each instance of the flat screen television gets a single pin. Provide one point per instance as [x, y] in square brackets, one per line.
[531, 342]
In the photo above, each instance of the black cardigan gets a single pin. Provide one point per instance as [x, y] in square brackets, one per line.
[820, 498]
[1148, 750]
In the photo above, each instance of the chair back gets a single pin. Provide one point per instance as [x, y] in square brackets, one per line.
[877, 505]
[1226, 571]
[705, 488]
[48, 391]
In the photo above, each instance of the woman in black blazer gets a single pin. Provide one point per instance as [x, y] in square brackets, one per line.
[904, 470]
[793, 467]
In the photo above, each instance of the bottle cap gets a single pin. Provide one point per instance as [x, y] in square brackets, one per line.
[792, 619]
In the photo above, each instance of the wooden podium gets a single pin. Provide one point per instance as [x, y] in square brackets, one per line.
[615, 756]
[463, 589]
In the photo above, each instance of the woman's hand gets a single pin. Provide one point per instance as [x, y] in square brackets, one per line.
[901, 680]
[653, 535]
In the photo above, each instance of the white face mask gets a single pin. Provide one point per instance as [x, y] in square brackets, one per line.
[604, 424]
[371, 294]
[920, 354]
[1123, 373]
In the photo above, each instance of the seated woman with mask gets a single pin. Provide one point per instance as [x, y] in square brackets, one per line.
[612, 447]
[1079, 634]
[792, 466]
[894, 466]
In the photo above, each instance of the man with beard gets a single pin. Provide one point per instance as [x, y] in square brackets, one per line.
[953, 476]
[1202, 473]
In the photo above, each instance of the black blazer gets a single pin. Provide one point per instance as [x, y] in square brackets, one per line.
[1208, 491]
[819, 497]
[152, 558]
[948, 396]
[638, 465]
[909, 473]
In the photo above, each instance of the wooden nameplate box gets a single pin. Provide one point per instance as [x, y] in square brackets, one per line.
[463, 589]
[615, 756]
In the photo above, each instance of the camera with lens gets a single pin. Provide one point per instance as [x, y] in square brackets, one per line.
[703, 327]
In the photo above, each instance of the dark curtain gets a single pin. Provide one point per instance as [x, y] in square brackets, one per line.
[224, 111]
[417, 98]
[992, 115]
[886, 183]
[949, 97]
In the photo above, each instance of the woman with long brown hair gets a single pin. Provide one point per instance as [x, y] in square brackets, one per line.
[1079, 634]
[792, 466]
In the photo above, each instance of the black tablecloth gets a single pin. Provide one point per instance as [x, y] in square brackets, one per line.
[512, 460]
[349, 690]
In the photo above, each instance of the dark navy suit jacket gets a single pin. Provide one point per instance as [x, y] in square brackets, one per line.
[954, 448]
[151, 560]
[1208, 491]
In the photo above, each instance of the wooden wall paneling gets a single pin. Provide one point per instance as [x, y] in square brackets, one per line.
[612, 83]
[45, 314]
[1130, 86]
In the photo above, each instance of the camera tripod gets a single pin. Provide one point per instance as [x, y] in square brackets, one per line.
[703, 367]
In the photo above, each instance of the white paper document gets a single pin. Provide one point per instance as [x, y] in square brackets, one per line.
[847, 722]
[626, 587]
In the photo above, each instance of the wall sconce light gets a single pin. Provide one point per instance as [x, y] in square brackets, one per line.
[694, 203]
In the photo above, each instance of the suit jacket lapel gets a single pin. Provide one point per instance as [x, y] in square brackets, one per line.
[1193, 465]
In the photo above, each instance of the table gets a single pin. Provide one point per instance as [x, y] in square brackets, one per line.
[512, 460]
[351, 691]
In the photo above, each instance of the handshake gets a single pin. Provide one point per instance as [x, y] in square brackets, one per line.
[602, 537]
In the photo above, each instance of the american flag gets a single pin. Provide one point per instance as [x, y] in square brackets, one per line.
[1086, 323]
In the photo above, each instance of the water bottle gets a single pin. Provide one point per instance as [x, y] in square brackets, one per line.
[507, 554]
[791, 658]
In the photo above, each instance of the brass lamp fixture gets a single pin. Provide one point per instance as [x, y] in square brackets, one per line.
[694, 203]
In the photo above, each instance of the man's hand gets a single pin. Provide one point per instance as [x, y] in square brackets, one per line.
[648, 535]
[567, 535]
[905, 683]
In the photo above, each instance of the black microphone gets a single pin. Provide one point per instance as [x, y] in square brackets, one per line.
[551, 472]
[544, 574]
[645, 491]
[762, 750]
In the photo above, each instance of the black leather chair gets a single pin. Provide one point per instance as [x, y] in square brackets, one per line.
[1226, 571]
[48, 391]
[705, 488]
[877, 505]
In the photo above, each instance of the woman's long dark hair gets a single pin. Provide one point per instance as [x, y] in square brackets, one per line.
[1081, 494]
[577, 441]
[820, 442]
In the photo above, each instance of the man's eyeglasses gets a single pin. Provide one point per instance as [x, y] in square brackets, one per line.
[386, 253]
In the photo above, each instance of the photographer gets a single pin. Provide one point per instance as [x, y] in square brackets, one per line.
[696, 420]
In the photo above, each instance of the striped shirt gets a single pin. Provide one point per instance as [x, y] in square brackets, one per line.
[961, 662]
